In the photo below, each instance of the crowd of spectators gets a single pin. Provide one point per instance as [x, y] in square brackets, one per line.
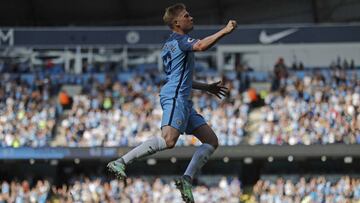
[306, 190]
[292, 189]
[142, 190]
[27, 114]
[104, 114]
[315, 109]
[23, 191]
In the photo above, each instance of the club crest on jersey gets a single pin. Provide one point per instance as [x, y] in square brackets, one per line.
[190, 40]
[179, 122]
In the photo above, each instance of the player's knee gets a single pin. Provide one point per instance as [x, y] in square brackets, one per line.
[214, 142]
[170, 141]
[170, 144]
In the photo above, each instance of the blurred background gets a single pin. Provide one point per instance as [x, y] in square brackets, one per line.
[80, 82]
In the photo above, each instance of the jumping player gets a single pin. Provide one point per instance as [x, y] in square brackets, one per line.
[178, 114]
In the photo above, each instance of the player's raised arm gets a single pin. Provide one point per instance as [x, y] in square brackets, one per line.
[209, 41]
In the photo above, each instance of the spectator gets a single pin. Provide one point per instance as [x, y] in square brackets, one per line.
[65, 100]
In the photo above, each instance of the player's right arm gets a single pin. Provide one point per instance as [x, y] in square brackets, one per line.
[209, 41]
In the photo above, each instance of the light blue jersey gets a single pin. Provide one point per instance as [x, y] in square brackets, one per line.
[178, 59]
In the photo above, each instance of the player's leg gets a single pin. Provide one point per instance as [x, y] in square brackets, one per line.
[209, 144]
[157, 143]
[198, 127]
[200, 157]
[168, 138]
[172, 124]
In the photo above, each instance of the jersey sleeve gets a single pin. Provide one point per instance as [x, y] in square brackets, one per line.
[186, 43]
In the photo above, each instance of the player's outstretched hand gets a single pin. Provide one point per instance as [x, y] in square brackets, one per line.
[217, 89]
[230, 26]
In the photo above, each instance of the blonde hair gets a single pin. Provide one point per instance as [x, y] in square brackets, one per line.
[172, 12]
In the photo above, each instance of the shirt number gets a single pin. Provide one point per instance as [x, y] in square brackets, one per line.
[167, 62]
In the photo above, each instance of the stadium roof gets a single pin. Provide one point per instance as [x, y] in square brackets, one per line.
[133, 12]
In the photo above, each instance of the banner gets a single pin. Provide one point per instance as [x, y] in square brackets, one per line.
[236, 152]
[156, 36]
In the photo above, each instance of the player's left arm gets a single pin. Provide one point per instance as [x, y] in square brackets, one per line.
[215, 88]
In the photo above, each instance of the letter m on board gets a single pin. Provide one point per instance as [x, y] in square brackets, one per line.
[6, 37]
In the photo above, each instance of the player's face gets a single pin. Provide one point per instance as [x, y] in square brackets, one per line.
[184, 21]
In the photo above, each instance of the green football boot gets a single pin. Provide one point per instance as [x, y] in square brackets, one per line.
[118, 168]
[185, 189]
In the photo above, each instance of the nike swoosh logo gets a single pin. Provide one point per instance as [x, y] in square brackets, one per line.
[268, 39]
